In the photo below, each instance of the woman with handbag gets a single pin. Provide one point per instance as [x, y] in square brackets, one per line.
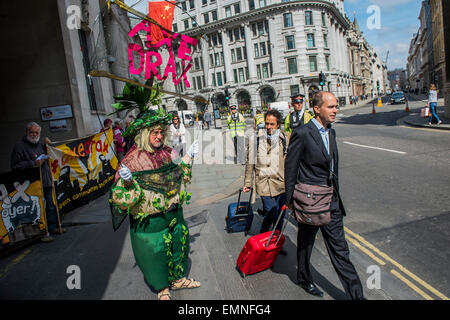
[178, 141]
[432, 103]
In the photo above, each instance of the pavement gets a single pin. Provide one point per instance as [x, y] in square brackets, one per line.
[214, 252]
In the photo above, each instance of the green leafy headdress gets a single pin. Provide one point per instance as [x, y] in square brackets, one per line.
[142, 98]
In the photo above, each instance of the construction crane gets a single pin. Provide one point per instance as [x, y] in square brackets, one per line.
[386, 60]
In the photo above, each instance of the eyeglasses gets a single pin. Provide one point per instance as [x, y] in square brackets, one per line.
[298, 100]
[156, 133]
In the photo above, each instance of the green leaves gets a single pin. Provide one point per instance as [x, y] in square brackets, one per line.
[134, 96]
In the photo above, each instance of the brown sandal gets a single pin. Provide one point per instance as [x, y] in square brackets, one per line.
[164, 293]
[185, 284]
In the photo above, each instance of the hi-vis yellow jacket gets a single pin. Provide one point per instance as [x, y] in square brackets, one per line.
[236, 126]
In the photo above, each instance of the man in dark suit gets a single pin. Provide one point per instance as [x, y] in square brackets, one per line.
[312, 158]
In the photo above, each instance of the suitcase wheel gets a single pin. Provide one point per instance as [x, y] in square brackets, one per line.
[240, 272]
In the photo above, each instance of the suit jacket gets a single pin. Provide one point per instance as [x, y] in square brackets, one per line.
[307, 161]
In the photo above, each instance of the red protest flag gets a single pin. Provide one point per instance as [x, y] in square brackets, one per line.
[162, 13]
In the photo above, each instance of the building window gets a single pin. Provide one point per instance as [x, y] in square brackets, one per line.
[214, 15]
[308, 18]
[254, 29]
[219, 79]
[325, 40]
[230, 35]
[238, 54]
[191, 4]
[287, 19]
[265, 70]
[262, 3]
[311, 42]
[262, 47]
[251, 4]
[199, 83]
[228, 12]
[211, 60]
[241, 75]
[186, 24]
[236, 34]
[245, 52]
[196, 64]
[233, 56]
[327, 62]
[237, 8]
[217, 56]
[214, 40]
[242, 33]
[213, 77]
[175, 27]
[222, 57]
[312, 63]
[324, 19]
[204, 2]
[183, 6]
[260, 28]
[206, 17]
[235, 76]
[258, 71]
[290, 42]
[256, 50]
[292, 65]
[295, 89]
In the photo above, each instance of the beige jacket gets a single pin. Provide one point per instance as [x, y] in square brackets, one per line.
[268, 167]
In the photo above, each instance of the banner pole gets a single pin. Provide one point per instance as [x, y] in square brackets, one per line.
[43, 196]
[54, 193]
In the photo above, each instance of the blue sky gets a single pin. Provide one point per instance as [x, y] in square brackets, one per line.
[399, 21]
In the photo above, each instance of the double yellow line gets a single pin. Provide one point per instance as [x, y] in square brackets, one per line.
[382, 258]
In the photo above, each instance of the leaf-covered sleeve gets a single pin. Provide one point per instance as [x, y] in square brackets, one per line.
[126, 197]
[187, 172]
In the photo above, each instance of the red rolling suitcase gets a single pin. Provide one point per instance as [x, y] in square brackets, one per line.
[260, 251]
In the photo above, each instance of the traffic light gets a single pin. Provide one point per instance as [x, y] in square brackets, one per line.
[322, 79]
[227, 94]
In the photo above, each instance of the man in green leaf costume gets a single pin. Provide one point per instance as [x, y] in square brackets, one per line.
[148, 189]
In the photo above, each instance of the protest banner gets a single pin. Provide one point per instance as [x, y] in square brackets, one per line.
[82, 169]
[22, 206]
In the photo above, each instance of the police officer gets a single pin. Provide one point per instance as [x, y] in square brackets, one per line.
[236, 125]
[299, 116]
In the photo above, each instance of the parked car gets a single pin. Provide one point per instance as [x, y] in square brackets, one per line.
[187, 117]
[398, 97]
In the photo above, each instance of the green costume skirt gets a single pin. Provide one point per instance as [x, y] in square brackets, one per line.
[161, 247]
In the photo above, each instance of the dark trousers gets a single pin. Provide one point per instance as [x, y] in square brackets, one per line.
[239, 149]
[50, 209]
[272, 207]
[337, 247]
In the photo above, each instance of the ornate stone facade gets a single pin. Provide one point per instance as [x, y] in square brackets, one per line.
[263, 51]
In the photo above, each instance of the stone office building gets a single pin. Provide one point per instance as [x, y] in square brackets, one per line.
[50, 68]
[262, 51]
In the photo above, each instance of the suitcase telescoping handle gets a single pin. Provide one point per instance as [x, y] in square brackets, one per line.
[239, 200]
[283, 210]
